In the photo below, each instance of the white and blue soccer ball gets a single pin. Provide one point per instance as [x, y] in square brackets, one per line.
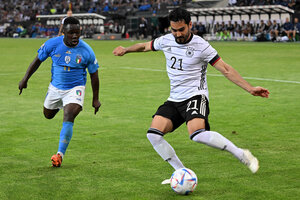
[184, 181]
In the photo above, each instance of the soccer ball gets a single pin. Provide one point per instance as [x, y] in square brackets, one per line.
[184, 181]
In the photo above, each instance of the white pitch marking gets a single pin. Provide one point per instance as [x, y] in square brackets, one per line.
[250, 78]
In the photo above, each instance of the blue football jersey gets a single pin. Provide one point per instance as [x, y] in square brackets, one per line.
[68, 63]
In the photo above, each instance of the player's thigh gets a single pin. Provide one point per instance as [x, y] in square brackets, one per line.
[71, 111]
[167, 118]
[53, 102]
[50, 113]
[74, 95]
[162, 124]
[73, 100]
[195, 124]
[196, 111]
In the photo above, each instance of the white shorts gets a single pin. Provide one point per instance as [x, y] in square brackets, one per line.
[57, 99]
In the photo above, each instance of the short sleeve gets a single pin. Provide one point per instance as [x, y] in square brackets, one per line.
[156, 44]
[93, 63]
[209, 54]
[44, 51]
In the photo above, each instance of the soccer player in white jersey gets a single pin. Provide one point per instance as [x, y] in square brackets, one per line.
[71, 58]
[187, 57]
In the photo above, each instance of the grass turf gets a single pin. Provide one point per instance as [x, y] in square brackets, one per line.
[110, 157]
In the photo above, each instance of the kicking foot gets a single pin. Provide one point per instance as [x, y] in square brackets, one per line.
[251, 161]
[165, 182]
[56, 160]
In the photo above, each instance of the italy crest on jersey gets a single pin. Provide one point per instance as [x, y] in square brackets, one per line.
[78, 92]
[189, 52]
[78, 59]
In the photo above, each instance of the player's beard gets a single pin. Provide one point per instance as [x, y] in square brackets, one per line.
[183, 39]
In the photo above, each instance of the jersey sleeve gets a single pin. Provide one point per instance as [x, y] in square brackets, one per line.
[156, 44]
[44, 51]
[93, 63]
[210, 55]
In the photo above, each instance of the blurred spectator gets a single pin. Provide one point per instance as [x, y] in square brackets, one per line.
[244, 30]
[117, 28]
[274, 30]
[261, 31]
[145, 6]
[143, 28]
[2, 30]
[230, 29]
[296, 33]
[237, 30]
[201, 30]
[195, 28]
[288, 28]
[232, 2]
[154, 27]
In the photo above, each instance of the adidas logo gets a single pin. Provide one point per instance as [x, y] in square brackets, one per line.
[169, 49]
[194, 112]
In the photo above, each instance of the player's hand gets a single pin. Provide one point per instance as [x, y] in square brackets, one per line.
[96, 105]
[259, 91]
[119, 51]
[22, 85]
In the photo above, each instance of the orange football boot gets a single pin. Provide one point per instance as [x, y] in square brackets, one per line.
[56, 160]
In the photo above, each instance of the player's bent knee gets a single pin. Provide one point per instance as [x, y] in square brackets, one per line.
[49, 114]
[196, 133]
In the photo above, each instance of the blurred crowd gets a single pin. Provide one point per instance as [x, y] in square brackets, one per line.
[25, 10]
[14, 15]
[271, 30]
[287, 3]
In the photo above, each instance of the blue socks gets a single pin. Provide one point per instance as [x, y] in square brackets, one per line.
[65, 137]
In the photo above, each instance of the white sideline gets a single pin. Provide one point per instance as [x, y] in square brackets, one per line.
[250, 78]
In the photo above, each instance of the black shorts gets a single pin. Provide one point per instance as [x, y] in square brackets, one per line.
[179, 112]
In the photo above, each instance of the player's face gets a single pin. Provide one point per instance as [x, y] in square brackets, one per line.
[72, 34]
[181, 31]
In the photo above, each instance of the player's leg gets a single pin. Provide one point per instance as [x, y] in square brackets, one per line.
[166, 119]
[49, 113]
[199, 131]
[214, 139]
[72, 102]
[159, 127]
[52, 103]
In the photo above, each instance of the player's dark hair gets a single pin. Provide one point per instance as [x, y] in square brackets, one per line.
[71, 20]
[180, 14]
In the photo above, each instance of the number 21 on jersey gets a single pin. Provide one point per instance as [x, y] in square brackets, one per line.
[174, 59]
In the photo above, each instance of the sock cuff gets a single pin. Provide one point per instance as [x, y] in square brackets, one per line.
[155, 131]
[196, 133]
[68, 123]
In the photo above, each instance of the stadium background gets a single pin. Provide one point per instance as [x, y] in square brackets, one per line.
[109, 156]
[147, 19]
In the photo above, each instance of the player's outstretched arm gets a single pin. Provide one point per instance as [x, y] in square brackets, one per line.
[231, 74]
[31, 69]
[95, 87]
[139, 47]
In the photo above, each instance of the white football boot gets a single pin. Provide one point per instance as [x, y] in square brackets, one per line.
[165, 182]
[250, 161]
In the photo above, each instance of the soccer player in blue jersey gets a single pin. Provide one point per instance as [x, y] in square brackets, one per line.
[70, 58]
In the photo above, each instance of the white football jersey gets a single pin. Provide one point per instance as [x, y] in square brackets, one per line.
[186, 65]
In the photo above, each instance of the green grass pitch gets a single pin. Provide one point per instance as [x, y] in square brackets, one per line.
[110, 157]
